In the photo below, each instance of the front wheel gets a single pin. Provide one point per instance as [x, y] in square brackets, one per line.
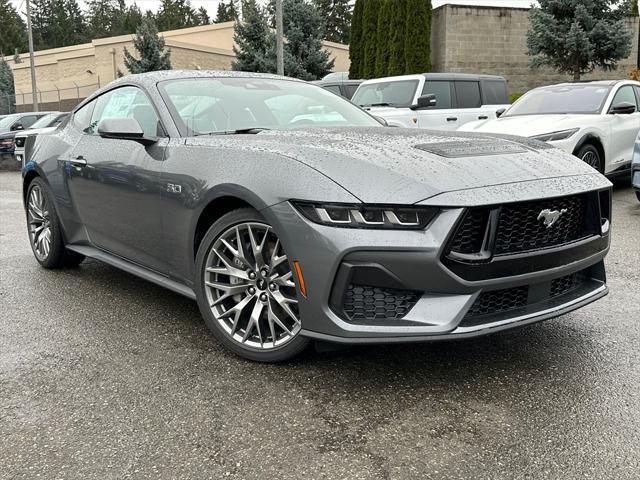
[590, 155]
[246, 290]
[45, 231]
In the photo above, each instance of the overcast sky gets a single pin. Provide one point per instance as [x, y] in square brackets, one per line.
[212, 5]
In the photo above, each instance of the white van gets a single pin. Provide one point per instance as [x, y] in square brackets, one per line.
[439, 101]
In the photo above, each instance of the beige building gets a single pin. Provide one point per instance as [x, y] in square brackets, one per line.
[68, 74]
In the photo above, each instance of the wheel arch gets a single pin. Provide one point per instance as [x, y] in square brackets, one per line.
[218, 202]
[596, 141]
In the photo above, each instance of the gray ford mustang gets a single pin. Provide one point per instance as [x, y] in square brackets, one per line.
[290, 214]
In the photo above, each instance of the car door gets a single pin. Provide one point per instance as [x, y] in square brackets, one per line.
[624, 128]
[469, 102]
[115, 183]
[443, 116]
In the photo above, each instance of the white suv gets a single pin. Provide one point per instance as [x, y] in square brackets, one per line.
[439, 101]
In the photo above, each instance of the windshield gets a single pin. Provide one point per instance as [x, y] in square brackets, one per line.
[386, 94]
[220, 105]
[579, 98]
[8, 121]
[50, 120]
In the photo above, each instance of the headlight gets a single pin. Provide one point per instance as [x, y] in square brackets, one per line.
[367, 216]
[554, 136]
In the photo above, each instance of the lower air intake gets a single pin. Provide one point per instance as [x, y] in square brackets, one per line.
[364, 303]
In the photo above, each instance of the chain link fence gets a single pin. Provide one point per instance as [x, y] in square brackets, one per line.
[58, 99]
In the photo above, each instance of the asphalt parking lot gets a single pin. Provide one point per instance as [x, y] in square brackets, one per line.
[103, 375]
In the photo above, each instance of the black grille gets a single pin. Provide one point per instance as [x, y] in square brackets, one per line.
[565, 284]
[19, 141]
[365, 303]
[519, 228]
[469, 237]
[499, 301]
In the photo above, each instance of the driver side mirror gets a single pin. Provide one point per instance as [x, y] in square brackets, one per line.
[17, 126]
[425, 101]
[500, 111]
[623, 108]
[123, 129]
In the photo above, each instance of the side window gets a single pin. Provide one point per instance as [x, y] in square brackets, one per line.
[127, 102]
[28, 120]
[349, 90]
[625, 94]
[494, 93]
[333, 89]
[442, 91]
[82, 117]
[468, 94]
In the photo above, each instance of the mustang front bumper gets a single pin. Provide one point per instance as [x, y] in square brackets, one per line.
[379, 286]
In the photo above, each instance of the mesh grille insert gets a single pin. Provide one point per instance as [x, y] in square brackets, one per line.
[499, 301]
[366, 303]
[565, 284]
[519, 228]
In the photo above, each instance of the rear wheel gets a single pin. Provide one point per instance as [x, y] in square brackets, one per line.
[45, 232]
[591, 156]
[246, 290]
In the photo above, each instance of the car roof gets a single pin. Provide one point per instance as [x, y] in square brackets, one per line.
[151, 78]
[604, 83]
[438, 76]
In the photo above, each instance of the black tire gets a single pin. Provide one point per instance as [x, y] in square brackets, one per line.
[292, 348]
[590, 154]
[638, 195]
[57, 255]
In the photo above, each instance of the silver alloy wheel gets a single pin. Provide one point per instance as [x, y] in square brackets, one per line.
[249, 287]
[39, 220]
[591, 158]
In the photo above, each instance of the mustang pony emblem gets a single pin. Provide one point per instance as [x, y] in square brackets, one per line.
[551, 216]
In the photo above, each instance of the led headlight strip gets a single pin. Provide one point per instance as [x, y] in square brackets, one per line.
[367, 216]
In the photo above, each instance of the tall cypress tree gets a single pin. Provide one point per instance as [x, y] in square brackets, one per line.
[396, 41]
[369, 37]
[356, 46]
[382, 38]
[417, 37]
[151, 50]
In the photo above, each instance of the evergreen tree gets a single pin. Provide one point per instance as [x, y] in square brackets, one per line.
[252, 39]
[356, 45]
[417, 37]
[151, 50]
[337, 17]
[575, 37]
[227, 12]
[7, 97]
[369, 37]
[383, 35]
[174, 14]
[14, 31]
[129, 18]
[102, 17]
[40, 23]
[397, 27]
[65, 25]
[634, 8]
[203, 16]
[304, 30]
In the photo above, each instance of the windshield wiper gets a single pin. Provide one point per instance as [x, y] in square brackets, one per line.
[382, 104]
[239, 131]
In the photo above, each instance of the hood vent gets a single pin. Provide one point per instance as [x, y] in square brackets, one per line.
[471, 148]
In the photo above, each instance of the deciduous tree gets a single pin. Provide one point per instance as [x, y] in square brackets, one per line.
[576, 36]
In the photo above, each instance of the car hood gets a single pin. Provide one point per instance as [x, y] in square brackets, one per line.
[526, 125]
[397, 165]
[35, 131]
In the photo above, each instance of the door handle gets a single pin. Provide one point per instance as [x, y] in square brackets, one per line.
[483, 117]
[78, 161]
[452, 119]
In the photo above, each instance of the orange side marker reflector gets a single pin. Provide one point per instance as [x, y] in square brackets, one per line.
[301, 284]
